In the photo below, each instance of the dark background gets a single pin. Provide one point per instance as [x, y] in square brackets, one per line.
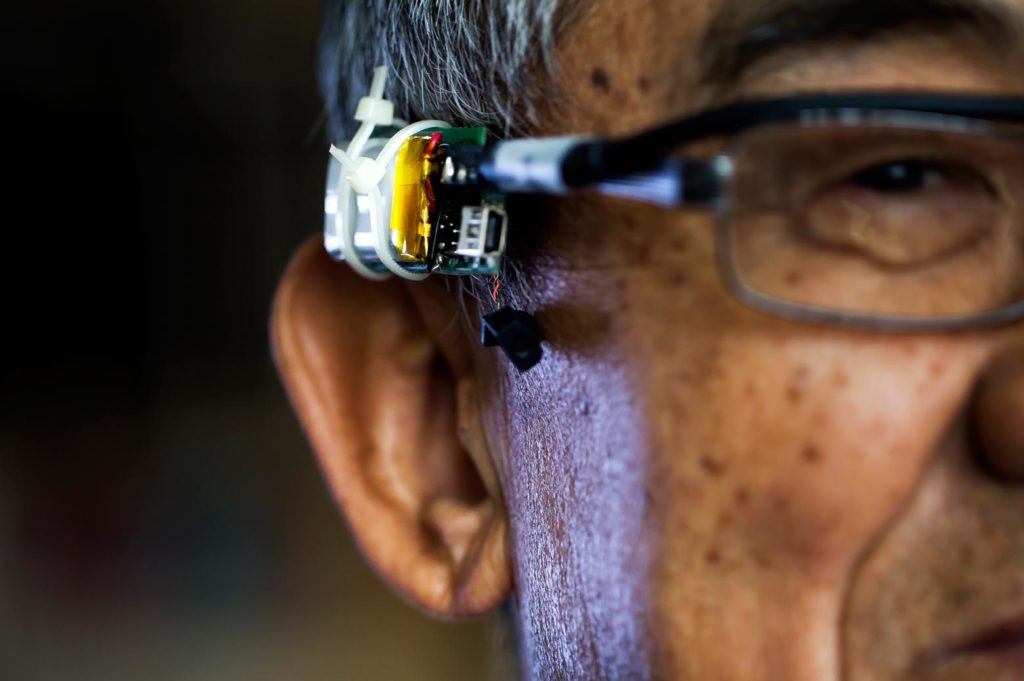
[160, 514]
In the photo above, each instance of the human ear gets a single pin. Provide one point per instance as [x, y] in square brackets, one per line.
[381, 377]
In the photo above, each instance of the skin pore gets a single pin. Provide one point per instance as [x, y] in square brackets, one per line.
[683, 488]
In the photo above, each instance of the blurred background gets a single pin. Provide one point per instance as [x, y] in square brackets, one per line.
[160, 514]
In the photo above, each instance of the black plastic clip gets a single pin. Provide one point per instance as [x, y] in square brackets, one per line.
[516, 333]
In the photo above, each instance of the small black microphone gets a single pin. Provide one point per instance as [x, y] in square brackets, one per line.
[517, 334]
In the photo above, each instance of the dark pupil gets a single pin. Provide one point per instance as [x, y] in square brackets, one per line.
[899, 176]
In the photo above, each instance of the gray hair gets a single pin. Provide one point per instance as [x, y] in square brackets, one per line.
[470, 62]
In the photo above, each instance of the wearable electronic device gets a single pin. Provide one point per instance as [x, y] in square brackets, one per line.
[408, 200]
[425, 198]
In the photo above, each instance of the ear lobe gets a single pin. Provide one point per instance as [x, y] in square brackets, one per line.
[389, 406]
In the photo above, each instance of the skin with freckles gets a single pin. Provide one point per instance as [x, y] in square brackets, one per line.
[684, 488]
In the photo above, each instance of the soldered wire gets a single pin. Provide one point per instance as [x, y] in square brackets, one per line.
[496, 289]
[435, 140]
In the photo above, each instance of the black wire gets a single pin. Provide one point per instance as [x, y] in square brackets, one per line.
[598, 160]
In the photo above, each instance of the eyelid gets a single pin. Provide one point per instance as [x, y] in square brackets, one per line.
[866, 158]
[863, 159]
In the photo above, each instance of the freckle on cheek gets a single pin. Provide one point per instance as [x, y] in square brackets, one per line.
[683, 377]
[811, 454]
[678, 280]
[841, 379]
[761, 561]
[794, 392]
[599, 79]
[712, 466]
[742, 496]
[712, 556]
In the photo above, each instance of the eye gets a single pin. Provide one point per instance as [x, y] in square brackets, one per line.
[901, 176]
[890, 220]
[905, 211]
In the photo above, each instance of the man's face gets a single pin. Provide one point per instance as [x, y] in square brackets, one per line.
[718, 494]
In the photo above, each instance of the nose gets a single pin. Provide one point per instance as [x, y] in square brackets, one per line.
[998, 416]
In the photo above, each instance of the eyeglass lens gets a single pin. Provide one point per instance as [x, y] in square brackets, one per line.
[889, 220]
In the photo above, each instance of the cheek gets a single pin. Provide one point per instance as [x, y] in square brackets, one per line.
[800, 446]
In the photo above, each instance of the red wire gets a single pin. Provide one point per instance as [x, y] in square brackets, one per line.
[497, 286]
[428, 187]
[434, 141]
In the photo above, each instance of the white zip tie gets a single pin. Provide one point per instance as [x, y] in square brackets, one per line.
[363, 175]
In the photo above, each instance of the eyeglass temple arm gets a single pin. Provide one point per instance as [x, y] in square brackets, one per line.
[675, 183]
[559, 166]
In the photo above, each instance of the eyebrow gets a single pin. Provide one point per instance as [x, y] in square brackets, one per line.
[745, 32]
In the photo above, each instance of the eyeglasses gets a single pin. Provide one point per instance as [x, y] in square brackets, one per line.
[885, 212]
[900, 212]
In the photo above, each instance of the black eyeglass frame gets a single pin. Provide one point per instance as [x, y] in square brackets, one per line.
[600, 160]
[611, 162]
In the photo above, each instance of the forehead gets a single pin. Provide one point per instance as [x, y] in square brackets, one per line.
[625, 66]
[615, 58]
